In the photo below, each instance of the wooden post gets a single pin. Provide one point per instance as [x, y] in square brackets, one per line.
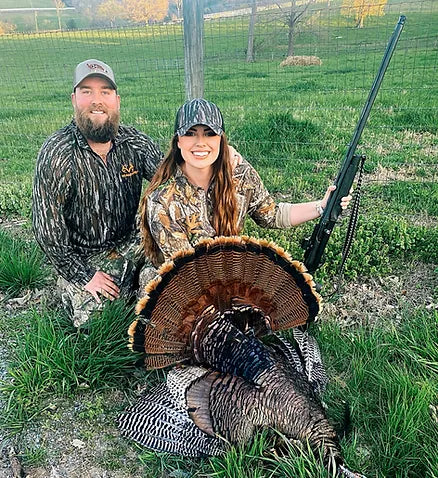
[36, 21]
[193, 12]
[252, 20]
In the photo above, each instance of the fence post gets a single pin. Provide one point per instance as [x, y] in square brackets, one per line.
[252, 21]
[193, 12]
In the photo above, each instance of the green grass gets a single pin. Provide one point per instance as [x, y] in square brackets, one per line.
[21, 265]
[51, 358]
[294, 124]
[389, 376]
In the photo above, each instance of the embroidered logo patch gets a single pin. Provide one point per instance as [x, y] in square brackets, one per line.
[128, 170]
[96, 66]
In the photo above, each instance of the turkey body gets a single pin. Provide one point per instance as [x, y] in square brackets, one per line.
[218, 308]
[240, 385]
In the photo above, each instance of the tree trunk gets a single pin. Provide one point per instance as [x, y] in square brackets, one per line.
[36, 21]
[359, 24]
[250, 50]
[290, 40]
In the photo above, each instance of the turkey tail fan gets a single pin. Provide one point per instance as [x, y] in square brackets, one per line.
[226, 273]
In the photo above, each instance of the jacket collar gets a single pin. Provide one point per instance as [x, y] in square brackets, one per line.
[182, 180]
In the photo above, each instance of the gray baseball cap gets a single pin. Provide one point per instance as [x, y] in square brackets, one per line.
[199, 111]
[93, 68]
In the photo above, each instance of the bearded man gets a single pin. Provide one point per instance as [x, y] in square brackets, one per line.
[87, 187]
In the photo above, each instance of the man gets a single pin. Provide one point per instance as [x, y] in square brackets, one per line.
[88, 182]
[87, 187]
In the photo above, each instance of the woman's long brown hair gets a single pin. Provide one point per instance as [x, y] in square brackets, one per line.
[225, 213]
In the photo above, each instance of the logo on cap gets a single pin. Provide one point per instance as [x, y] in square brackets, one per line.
[96, 66]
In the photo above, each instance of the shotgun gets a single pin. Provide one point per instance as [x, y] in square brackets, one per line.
[315, 245]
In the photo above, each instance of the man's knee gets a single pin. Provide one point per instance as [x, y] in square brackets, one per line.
[77, 302]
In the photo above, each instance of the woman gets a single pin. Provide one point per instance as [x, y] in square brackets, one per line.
[196, 193]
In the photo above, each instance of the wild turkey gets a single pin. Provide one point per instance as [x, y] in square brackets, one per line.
[218, 308]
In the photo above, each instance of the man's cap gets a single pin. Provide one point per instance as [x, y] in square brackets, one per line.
[93, 68]
[199, 111]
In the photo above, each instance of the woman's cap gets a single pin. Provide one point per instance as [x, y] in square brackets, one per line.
[93, 68]
[199, 111]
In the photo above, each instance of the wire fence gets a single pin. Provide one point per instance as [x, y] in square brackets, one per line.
[293, 121]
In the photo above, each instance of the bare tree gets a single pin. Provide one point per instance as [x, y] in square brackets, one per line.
[252, 20]
[175, 6]
[292, 16]
[59, 4]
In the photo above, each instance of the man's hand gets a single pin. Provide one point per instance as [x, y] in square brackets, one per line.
[102, 283]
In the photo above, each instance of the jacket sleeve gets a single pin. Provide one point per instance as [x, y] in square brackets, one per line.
[51, 195]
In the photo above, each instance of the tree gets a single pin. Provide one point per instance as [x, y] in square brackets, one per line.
[112, 10]
[291, 17]
[59, 4]
[145, 11]
[175, 8]
[6, 27]
[87, 8]
[361, 9]
[252, 21]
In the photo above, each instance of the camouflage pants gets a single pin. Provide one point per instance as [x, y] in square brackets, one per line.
[121, 263]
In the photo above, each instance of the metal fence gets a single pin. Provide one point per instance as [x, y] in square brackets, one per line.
[295, 115]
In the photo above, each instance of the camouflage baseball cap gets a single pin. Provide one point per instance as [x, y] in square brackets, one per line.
[93, 68]
[199, 111]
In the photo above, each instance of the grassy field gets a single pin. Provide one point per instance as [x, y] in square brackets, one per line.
[294, 124]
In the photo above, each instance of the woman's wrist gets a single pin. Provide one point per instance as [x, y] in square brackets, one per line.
[319, 208]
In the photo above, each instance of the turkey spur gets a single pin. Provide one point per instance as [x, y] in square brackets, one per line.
[217, 309]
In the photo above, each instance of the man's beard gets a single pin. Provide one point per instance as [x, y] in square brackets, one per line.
[99, 133]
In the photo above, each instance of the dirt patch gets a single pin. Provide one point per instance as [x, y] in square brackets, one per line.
[408, 172]
[77, 439]
[382, 301]
[17, 227]
[301, 61]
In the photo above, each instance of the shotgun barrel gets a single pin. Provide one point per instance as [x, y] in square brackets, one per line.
[315, 245]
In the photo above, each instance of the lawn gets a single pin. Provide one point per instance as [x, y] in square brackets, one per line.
[378, 333]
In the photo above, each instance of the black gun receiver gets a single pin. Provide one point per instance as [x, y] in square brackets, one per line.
[315, 245]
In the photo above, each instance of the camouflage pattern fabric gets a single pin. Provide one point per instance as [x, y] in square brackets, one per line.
[180, 214]
[148, 272]
[121, 263]
[198, 111]
[82, 206]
